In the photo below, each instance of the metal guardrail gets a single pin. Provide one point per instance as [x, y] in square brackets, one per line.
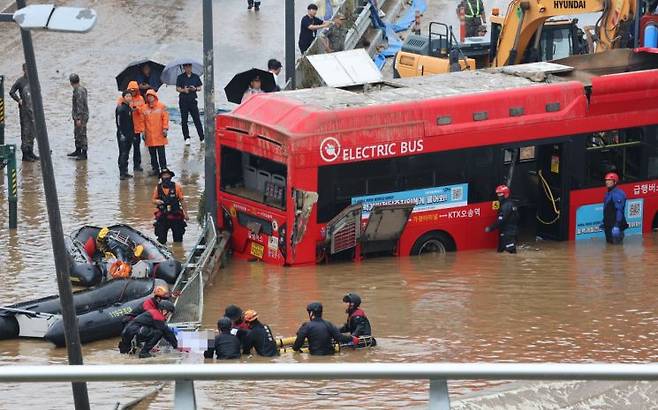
[199, 269]
[437, 374]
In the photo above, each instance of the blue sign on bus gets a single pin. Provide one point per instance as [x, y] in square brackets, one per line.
[590, 217]
[426, 199]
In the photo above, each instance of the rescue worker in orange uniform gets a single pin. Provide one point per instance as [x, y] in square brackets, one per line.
[155, 120]
[171, 210]
[160, 293]
[138, 123]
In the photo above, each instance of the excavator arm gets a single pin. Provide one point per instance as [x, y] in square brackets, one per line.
[525, 18]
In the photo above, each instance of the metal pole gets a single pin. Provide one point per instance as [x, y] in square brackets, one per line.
[2, 109]
[12, 186]
[184, 396]
[290, 43]
[636, 23]
[439, 396]
[209, 109]
[71, 334]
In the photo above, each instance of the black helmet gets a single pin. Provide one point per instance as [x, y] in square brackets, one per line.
[74, 78]
[233, 312]
[167, 305]
[352, 298]
[224, 324]
[315, 308]
[166, 171]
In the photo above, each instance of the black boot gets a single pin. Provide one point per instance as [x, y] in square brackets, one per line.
[82, 156]
[74, 153]
[257, 6]
[250, 4]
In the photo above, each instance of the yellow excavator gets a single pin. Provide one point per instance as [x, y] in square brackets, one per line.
[529, 32]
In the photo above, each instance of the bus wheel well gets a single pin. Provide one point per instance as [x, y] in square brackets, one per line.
[654, 224]
[433, 242]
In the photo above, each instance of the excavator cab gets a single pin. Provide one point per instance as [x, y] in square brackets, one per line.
[431, 54]
[424, 55]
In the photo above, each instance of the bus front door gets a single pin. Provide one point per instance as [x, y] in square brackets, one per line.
[552, 198]
[384, 228]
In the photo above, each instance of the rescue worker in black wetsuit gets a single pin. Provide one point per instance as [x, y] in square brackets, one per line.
[171, 209]
[238, 326]
[320, 333]
[507, 221]
[614, 203]
[226, 345]
[259, 336]
[148, 328]
[357, 323]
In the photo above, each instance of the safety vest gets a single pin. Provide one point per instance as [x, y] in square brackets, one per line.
[171, 209]
[470, 13]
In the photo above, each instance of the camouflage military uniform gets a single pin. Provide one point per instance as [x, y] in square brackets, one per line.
[336, 37]
[80, 112]
[25, 113]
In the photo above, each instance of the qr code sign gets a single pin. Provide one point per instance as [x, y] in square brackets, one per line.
[635, 209]
[457, 193]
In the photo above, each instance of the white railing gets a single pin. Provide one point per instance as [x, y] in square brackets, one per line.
[437, 374]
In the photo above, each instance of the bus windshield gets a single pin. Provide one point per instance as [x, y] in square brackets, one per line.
[256, 178]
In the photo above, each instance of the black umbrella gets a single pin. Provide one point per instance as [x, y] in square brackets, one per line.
[134, 68]
[238, 85]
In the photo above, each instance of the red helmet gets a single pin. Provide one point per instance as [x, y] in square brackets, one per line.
[503, 190]
[612, 176]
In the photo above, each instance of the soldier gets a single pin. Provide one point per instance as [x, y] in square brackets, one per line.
[80, 114]
[334, 37]
[24, 100]
[474, 14]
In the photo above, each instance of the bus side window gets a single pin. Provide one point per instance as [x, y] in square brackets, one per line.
[621, 151]
[651, 150]
[481, 175]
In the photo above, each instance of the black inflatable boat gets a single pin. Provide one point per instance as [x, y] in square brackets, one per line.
[100, 312]
[86, 272]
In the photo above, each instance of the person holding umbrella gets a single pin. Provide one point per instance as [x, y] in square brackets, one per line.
[254, 88]
[147, 79]
[247, 83]
[187, 85]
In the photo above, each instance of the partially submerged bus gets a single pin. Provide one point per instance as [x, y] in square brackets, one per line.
[409, 167]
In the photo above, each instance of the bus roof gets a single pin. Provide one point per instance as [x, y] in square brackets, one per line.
[288, 112]
[300, 114]
[409, 89]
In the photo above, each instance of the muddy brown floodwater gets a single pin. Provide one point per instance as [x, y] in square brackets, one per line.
[566, 302]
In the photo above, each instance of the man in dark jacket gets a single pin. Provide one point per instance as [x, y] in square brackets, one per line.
[148, 328]
[226, 345]
[506, 222]
[320, 333]
[125, 132]
[614, 203]
[259, 336]
[357, 322]
[309, 27]
[187, 85]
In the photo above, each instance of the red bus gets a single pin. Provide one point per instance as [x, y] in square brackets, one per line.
[410, 166]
